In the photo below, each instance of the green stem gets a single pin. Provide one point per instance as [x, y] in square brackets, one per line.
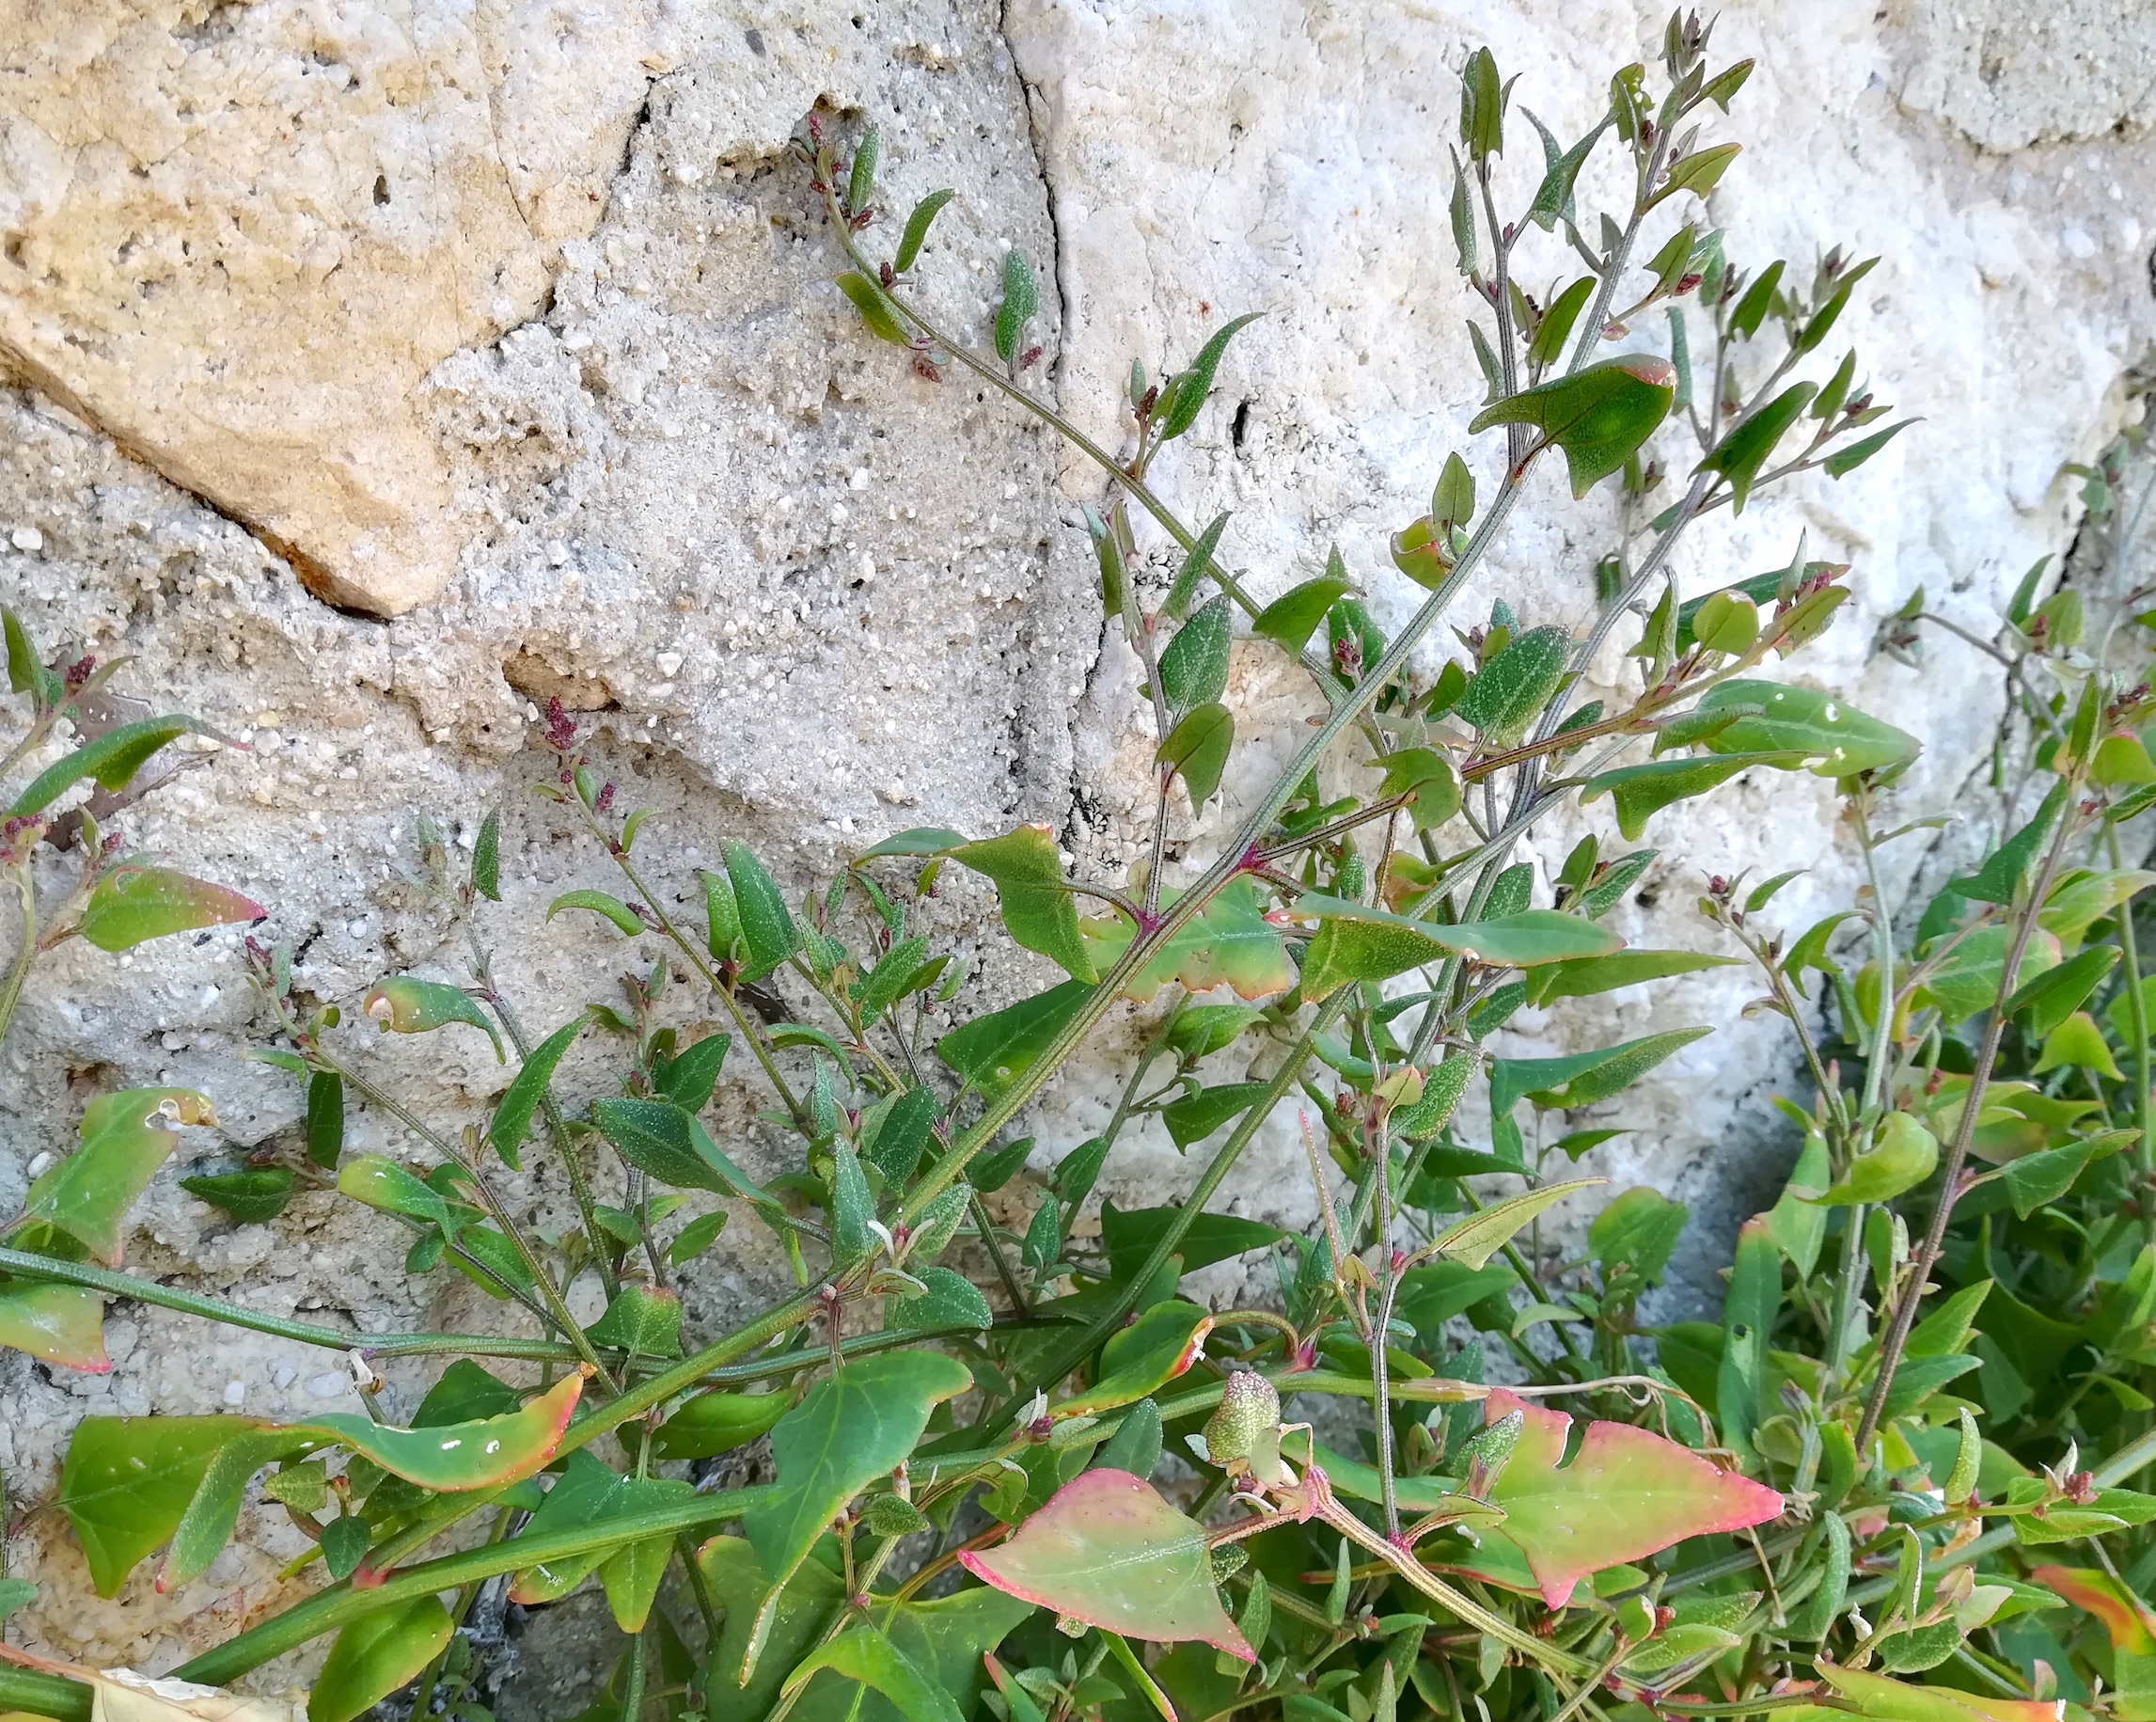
[558, 1310]
[750, 1031]
[1958, 1156]
[556, 1125]
[331, 1608]
[25, 952]
[1110, 1318]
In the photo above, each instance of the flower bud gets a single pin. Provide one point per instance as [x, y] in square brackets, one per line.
[1248, 1412]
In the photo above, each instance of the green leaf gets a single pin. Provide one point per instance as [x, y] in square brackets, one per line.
[610, 908]
[901, 1134]
[375, 1655]
[1879, 1699]
[1847, 460]
[1840, 739]
[1197, 749]
[130, 905]
[1021, 299]
[2048, 998]
[658, 1137]
[2077, 1043]
[1999, 878]
[456, 1458]
[1586, 976]
[405, 1005]
[890, 979]
[2037, 1180]
[587, 1494]
[112, 760]
[851, 1208]
[1581, 1079]
[1697, 172]
[126, 1482]
[1143, 1358]
[853, 1429]
[1971, 975]
[1196, 1116]
[1227, 943]
[642, 1320]
[1131, 1234]
[55, 1324]
[1901, 1157]
[1639, 791]
[1599, 415]
[1425, 776]
[1475, 1240]
[250, 1197]
[1290, 619]
[1638, 1232]
[1747, 1324]
[875, 308]
[1109, 1551]
[27, 672]
[1483, 99]
[124, 1138]
[1194, 385]
[344, 1545]
[688, 1077]
[1555, 329]
[1135, 1447]
[863, 1655]
[951, 1300]
[1196, 562]
[1038, 910]
[486, 859]
[767, 930]
[992, 1053]
[1508, 692]
[1194, 667]
[513, 1113]
[722, 917]
[861, 180]
[16, 1593]
[382, 1184]
[1629, 1494]
[1795, 1223]
[718, 1422]
[1199, 1031]
[917, 226]
[1358, 943]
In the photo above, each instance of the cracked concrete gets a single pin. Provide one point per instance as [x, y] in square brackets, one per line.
[584, 411]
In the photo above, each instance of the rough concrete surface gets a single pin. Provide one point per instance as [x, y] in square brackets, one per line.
[577, 408]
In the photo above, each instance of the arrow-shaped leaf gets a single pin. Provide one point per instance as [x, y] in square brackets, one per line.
[1629, 1494]
[1109, 1551]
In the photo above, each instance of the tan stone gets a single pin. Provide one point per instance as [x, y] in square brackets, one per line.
[237, 237]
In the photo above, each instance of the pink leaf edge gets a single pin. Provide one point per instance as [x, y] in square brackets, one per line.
[1734, 1503]
[1106, 1492]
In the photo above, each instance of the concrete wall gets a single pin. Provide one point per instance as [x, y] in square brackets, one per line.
[378, 371]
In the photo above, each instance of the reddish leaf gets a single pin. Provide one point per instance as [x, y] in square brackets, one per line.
[1628, 1494]
[2125, 1616]
[130, 904]
[1109, 1551]
[55, 1324]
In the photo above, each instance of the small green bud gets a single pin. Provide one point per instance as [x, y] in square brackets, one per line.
[1961, 1480]
[1248, 1410]
[887, 1515]
[1488, 1451]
